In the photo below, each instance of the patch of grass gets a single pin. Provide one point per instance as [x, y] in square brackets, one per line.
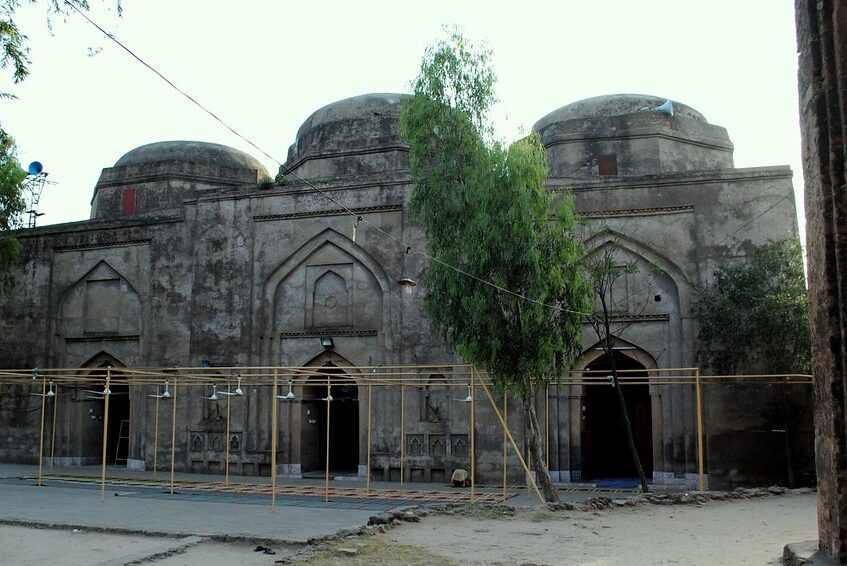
[485, 511]
[540, 515]
[371, 551]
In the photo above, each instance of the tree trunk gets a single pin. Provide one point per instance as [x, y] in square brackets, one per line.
[542, 474]
[628, 428]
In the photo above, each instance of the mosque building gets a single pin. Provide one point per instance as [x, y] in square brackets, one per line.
[191, 258]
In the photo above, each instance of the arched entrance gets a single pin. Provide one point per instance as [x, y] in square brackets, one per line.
[118, 434]
[605, 451]
[343, 423]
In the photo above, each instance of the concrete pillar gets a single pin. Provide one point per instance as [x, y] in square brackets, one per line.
[822, 43]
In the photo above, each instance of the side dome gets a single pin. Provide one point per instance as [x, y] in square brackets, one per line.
[610, 105]
[627, 134]
[195, 152]
[161, 176]
[353, 136]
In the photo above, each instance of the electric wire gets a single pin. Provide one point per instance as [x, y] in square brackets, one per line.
[360, 218]
[409, 249]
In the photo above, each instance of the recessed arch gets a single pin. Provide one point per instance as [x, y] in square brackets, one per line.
[609, 237]
[328, 237]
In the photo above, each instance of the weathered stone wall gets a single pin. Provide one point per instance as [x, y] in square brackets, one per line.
[241, 275]
[822, 43]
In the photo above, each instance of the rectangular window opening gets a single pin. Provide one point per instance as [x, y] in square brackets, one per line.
[607, 164]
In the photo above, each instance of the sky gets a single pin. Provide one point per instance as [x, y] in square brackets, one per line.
[265, 66]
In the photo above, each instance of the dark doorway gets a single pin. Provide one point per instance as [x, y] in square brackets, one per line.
[605, 451]
[343, 424]
[117, 438]
[117, 445]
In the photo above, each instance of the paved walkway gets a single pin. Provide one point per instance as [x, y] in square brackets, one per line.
[202, 505]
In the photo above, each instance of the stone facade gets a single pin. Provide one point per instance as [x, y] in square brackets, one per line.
[822, 44]
[188, 259]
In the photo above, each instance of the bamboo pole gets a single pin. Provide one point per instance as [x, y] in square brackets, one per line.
[274, 434]
[173, 434]
[156, 434]
[107, 394]
[701, 478]
[368, 476]
[547, 427]
[505, 445]
[328, 414]
[511, 439]
[473, 437]
[402, 430]
[53, 428]
[226, 438]
[41, 434]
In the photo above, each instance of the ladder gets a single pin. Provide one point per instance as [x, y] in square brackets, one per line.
[123, 437]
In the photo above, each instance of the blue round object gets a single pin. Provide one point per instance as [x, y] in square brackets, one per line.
[35, 168]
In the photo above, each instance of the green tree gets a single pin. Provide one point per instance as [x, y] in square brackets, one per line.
[505, 286]
[12, 206]
[14, 52]
[755, 314]
[14, 56]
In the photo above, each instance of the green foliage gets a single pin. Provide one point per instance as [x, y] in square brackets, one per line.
[485, 211]
[12, 206]
[266, 182]
[754, 316]
[14, 52]
[14, 55]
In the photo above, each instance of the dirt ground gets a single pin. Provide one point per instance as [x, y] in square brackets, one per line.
[749, 531]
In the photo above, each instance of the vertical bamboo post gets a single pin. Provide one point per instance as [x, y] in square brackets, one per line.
[402, 430]
[701, 478]
[53, 428]
[173, 435]
[274, 434]
[107, 393]
[41, 434]
[328, 414]
[368, 476]
[156, 434]
[226, 438]
[473, 437]
[505, 444]
[547, 426]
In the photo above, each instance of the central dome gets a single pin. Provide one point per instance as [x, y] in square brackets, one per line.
[355, 135]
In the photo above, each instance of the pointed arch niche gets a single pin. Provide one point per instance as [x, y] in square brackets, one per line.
[653, 301]
[329, 286]
[101, 311]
